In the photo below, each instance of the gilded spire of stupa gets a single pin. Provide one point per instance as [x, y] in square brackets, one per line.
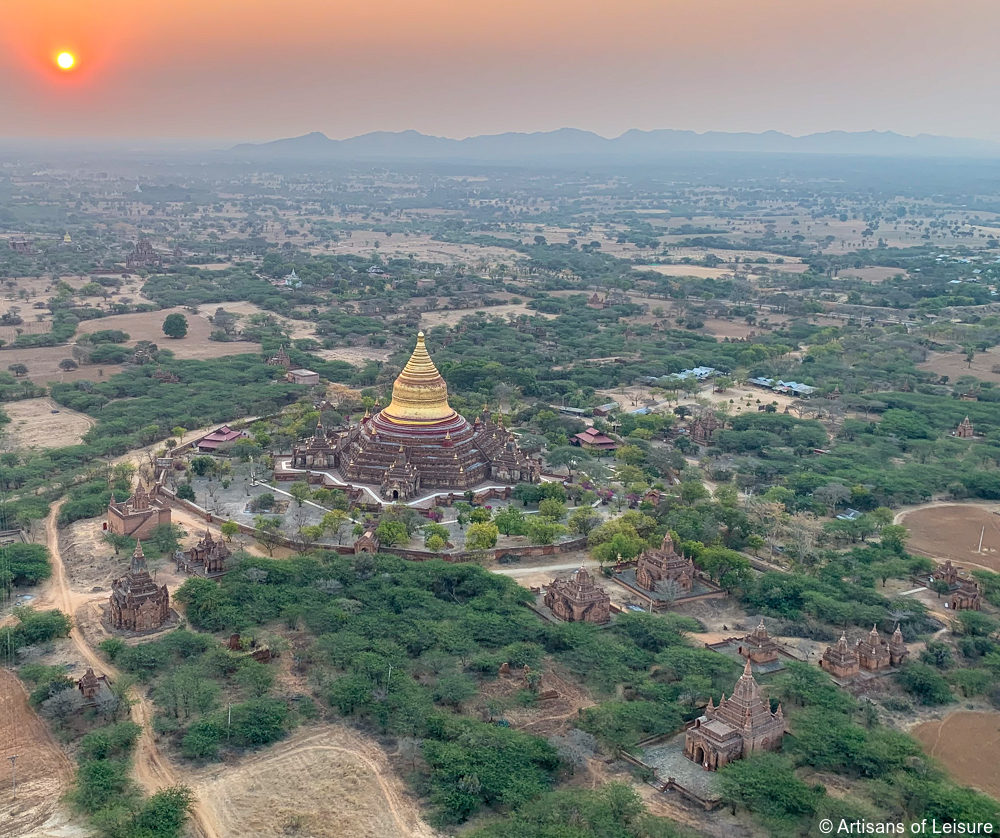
[419, 395]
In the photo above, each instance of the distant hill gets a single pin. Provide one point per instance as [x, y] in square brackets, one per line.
[633, 145]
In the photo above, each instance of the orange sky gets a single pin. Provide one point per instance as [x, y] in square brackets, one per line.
[246, 69]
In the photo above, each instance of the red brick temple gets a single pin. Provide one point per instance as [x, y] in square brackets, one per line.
[758, 646]
[741, 725]
[138, 516]
[664, 565]
[207, 558]
[841, 661]
[137, 602]
[578, 600]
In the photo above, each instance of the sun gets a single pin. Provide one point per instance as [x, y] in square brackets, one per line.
[65, 60]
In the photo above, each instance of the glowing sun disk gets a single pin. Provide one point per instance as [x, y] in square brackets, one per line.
[65, 60]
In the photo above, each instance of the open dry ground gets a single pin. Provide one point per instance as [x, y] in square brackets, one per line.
[699, 271]
[429, 319]
[322, 782]
[422, 247]
[34, 425]
[964, 742]
[43, 364]
[728, 328]
[43, 770]
[952, 531]
[954, 365]
[149, 326]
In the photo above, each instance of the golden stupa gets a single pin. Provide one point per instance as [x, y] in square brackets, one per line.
[419, 394]
[419, 442]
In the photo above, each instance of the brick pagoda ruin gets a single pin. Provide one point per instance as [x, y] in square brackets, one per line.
[578, 600]
[841, 661]
[664, 566]
[137, 602]
[207, 558]
[138, 516]
[704, 427]
[872, 654]
[418, 442]
[758, 646]
[142, 256]
[739, 726]
[91, 686]
[967, 596]
[964, 591]
[965, 429]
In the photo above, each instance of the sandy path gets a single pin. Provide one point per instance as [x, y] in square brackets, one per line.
[526, 571]
[151, 769]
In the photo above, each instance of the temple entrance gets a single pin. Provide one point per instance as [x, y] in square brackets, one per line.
[395, 494]
[699, 755]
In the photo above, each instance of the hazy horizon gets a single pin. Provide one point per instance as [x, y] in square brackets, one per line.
[257, 70]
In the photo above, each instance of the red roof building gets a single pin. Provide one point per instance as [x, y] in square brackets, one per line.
[593, 440]
[219, 436]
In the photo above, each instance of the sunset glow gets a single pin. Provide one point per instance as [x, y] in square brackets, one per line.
[66, 61]
[518, 65]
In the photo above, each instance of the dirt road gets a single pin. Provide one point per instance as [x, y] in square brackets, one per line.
[152, 770]
[525, 571]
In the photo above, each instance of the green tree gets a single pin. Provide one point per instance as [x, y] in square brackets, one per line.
[439, 531]
[300, 491]
[543, 531]
[267, 532]
[925, 683]
[390, 533]
[175, 325]
[553, 509]
[584, 520]
[630, 455]
[229, 529]
[481, 536]
[334, 522]
[765, 784]
[510, 521]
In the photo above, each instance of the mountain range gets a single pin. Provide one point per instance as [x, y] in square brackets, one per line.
[633, 145]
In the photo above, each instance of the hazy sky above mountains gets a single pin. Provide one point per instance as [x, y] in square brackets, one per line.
[261, 69]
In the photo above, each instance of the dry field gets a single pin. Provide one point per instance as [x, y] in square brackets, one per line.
[322, 782]
[356, 355]
[964, 742]
[952, 531]
[728, 328]
[295, 328]
[43, 770]
[429, 319]
[34, 425]
[699, 271]
[954, 365]
[544, 718]
[43, 364]
[149, 326]
[422, 247]
[871, 274]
